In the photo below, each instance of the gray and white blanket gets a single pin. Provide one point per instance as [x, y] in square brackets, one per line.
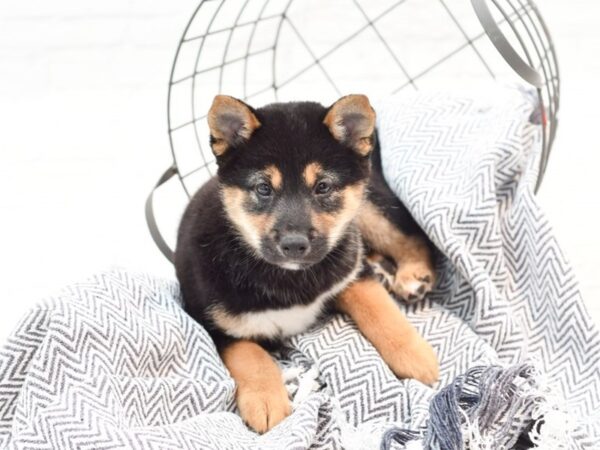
[114, 362]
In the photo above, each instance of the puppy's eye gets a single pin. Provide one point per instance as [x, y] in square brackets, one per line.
[263, 189]
[322, 187]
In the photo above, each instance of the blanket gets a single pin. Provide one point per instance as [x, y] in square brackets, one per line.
[114, 361]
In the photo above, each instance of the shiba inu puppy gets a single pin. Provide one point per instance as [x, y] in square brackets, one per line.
[282, 235]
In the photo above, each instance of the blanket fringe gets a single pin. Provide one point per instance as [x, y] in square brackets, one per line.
[490, 408]
[552, 424]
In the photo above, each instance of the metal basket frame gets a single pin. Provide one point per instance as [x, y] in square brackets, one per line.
[539, 68]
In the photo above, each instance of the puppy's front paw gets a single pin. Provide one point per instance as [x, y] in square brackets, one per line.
[414, 358]
[413, 281]
[263, 408]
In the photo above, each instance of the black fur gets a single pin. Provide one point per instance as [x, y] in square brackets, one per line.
[215, 266]
[291, 136]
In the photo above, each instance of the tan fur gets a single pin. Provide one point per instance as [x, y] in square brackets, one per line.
[376, 261]
[219, 146]
[224, 105]
[261, 395]
[252, 226]
[334, 224]
[361, 136]
[311, 173]
[415, 274]
[274, 175]
[380, 320]
[224, 320]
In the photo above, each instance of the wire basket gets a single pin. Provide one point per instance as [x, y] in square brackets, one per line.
[263, 51]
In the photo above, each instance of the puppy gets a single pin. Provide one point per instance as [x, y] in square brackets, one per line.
[279, 239]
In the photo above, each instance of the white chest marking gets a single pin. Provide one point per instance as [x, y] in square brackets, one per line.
[274, 323]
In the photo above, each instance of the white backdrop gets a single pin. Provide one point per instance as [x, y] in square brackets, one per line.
[83, 137]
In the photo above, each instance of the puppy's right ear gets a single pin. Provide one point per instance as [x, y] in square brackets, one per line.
[231, 122]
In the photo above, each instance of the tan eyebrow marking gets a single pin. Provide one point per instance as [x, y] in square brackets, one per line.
[332, 224]
[274, 175]
[311, 173]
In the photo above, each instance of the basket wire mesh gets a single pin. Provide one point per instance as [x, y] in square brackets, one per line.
[263, 51]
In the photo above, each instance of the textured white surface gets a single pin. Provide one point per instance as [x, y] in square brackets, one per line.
[83, 137]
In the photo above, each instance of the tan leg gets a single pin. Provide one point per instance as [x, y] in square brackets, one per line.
[415, 274]
[261, 395]
[380, 320]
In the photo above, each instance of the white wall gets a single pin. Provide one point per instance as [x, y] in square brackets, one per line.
[83, 137]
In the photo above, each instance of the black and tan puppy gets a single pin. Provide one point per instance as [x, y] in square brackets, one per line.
[275, 241]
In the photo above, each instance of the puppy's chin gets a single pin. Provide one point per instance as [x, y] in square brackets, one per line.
[292, 265]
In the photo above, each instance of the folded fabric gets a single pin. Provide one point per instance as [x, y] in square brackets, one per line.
[114, 362]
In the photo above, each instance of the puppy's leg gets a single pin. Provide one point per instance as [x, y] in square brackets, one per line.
[380, 320]
[261, 395]
[383, 268]
[415, 274]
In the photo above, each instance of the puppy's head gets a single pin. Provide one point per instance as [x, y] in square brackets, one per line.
[293, 175]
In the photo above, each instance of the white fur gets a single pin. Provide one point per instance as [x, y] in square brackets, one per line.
[274, 323]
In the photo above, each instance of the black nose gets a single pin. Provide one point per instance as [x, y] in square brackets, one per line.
[294, 245]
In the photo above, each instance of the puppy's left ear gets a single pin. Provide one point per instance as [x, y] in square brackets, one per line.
[231, 122]
[351, 120]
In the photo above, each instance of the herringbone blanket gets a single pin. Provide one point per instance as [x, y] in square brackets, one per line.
[114, 362]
